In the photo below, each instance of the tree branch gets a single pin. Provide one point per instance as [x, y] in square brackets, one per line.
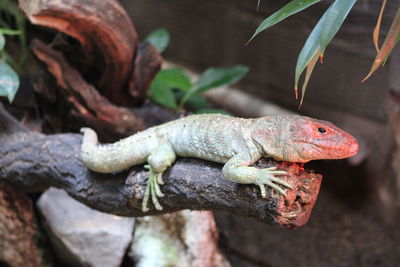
[34, 162]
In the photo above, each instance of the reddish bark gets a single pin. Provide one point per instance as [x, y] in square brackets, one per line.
[147, 64]
[109, 42]
[101, 27]
[19, 234]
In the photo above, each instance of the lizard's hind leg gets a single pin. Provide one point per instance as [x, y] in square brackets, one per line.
[159, 160]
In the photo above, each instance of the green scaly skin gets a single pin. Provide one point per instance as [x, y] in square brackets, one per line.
[238, 143]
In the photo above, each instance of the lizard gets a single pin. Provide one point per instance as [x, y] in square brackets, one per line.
[235, 142]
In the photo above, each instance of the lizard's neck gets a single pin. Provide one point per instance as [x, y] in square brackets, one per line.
[271, 136]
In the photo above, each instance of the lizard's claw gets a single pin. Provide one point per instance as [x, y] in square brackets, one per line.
[267, 177]
[152, 190]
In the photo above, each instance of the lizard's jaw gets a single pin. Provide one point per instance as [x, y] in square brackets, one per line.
[307, 151]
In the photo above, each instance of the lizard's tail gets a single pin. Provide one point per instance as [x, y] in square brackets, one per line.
[114, 157]
[89, 137]
[91, 153]
[99, 158]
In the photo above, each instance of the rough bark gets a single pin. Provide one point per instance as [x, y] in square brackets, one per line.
[98, 26]
[19, 235]
[147, 64]
[34, 162]
[109, 43]
[86, 102]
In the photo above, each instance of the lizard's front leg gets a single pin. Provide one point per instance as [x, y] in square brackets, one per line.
[237, 170]
[159, 160]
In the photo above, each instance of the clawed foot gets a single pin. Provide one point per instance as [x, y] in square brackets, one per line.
[268, 177]
[152, 190]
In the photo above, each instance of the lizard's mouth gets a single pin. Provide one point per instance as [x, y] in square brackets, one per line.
[315, 151]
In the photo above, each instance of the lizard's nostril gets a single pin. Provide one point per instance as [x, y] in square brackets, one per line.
[353, 147]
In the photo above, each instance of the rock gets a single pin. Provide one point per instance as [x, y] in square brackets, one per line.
[82, 236]
[184, 238]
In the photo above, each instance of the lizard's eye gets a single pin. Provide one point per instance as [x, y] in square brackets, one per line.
[321, 130]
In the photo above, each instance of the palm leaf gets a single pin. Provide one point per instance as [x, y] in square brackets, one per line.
[390, 41]
[321, 35]
[288, 10]
[375, 36]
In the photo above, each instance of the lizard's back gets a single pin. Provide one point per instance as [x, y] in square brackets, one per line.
[213, 137]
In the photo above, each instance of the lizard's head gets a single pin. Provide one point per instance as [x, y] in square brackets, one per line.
[303, 139]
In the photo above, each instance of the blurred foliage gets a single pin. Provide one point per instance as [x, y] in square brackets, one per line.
[12, 23]
[159, 39]
[323, 33]
[9, 81]
[172, 88]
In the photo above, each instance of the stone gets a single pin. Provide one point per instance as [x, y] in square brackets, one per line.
[82, 236]
[184, 238]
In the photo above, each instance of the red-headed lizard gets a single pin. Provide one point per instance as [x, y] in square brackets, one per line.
[238, 143]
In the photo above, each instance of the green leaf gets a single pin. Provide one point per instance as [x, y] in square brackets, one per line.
[212, 111]
[159, 39]
[215, 77]
[288, 10]
[175, 78]
[9, 81]
[309, 70]
[9, 31]
[2, 42]
[162, 94]
[197, 102]
[322, 34]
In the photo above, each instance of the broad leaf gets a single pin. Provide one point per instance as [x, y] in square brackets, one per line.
[322, 34]
[2, 42]
[9, 31]
[215, 77]
[291, 8]
[162, 94]
[175, 78]
[197, 102]
[159, 39]
[390, 41]
[9, 81]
